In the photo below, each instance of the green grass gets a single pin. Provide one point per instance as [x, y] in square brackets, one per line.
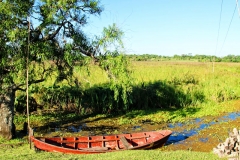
[24, 152]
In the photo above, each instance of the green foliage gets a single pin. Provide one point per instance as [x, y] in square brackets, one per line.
[23, 152]
[158, 95]
[98, 99]
[185, 57]
[112, 36]
[184, 79]
[119, 76]
[56, 47]
[155, 85]
[51, 39]
[106, 99]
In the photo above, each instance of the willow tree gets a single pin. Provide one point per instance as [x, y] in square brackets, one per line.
[49, 33]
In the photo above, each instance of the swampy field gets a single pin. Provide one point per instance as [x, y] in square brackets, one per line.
[198, 101]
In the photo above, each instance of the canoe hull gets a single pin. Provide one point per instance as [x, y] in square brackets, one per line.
[102, 144]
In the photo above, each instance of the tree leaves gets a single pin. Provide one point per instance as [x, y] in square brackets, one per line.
[57, 43]
[119, 74]
[111, 38]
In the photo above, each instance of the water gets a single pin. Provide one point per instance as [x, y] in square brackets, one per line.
[181, 131]
[179, 137]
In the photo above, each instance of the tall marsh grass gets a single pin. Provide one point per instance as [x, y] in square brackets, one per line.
[156, 85]
[195, 79]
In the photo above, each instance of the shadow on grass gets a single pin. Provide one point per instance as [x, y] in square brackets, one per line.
[177, 113]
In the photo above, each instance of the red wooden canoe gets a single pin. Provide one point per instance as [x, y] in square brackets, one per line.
[102, 144]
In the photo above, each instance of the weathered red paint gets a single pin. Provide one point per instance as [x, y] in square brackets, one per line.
[102, 144]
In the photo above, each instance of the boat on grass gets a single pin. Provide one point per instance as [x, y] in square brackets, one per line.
[103, 143]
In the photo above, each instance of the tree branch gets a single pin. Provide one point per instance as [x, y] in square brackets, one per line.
[87, 53]
[51, 36]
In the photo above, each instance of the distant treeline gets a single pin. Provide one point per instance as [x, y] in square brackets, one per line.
[199, 58]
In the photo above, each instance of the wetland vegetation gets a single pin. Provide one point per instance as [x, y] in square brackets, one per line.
[163, 92]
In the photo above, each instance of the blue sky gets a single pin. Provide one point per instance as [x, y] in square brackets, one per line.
[169, 27]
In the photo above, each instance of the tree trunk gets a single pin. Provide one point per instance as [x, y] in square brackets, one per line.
[7, 128]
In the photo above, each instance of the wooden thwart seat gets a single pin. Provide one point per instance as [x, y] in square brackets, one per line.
[94, 149]
[126, 144]
[96, 140]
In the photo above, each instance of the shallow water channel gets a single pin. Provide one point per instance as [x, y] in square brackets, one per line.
[201, 134]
